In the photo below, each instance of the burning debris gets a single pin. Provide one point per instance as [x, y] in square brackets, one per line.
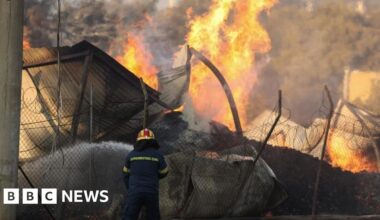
[297, 41]
[188, 150]
[350, 146]
[226, 37]
[103, 99]
[187, 158]
[353, 142]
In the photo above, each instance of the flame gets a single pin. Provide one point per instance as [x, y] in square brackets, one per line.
[229, 35]
[179, 109]
[25, 39]
[138, 60]
[342, 154]
[25, 43]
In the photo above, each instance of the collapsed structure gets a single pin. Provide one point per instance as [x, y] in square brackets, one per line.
[85, 71]
[100, 101]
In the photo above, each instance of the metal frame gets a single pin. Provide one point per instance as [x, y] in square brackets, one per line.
[55, 60]
[120, 122]
[43, 102]
[82, 88]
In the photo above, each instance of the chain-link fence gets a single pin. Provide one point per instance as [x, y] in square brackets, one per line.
[353, 139]
[212, 173]
[348, 184]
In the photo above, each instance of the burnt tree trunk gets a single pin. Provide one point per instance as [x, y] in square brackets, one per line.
[11, 27]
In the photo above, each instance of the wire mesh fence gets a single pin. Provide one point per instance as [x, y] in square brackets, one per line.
[353, 140]
[211, 173]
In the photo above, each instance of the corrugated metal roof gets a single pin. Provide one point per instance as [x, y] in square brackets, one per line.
[117, 104]
[118, 100]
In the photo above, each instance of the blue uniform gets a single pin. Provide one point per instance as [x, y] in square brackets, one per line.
[143, 169]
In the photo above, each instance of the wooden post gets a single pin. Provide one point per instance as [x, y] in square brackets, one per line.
[11, 27]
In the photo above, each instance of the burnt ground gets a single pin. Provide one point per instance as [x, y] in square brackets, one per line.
[340, 192]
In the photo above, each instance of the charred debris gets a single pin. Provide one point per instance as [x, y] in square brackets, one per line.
[97, 88]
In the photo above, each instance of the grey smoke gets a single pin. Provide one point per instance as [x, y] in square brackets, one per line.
[311, 49]
[100, 22]
[106, 24]
[313, 41]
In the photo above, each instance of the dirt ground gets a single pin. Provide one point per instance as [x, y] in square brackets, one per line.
[341, 193]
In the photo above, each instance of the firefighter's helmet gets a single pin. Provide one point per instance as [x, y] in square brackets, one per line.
[145, 134]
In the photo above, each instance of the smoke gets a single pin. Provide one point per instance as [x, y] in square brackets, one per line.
[168, 29]
[106, 24]
[312, 41]
[311, 47]
[39, 22]
[100, 22]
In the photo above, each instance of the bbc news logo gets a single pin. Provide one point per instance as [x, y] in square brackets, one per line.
[50, 196]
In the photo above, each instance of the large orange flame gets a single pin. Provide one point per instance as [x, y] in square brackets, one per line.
[230, 35]
[138, 59]
[342, 154]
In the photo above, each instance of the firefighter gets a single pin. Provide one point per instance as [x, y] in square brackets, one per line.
[143, 168]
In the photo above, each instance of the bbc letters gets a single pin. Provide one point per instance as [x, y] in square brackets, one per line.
[51, 196]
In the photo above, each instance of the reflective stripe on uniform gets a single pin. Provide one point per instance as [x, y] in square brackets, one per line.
[125, 170]
[163, 171]
[144, 138]
[145, 158]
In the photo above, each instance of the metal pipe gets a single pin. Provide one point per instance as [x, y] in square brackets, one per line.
[264, 143]
[55, 60]
[146, 100]
[225, 87]
[316, 186]
[91, 112]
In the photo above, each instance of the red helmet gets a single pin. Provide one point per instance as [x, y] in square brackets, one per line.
[145, 134]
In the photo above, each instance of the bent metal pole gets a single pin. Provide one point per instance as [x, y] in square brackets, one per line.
[325, 140]
[225, 86]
